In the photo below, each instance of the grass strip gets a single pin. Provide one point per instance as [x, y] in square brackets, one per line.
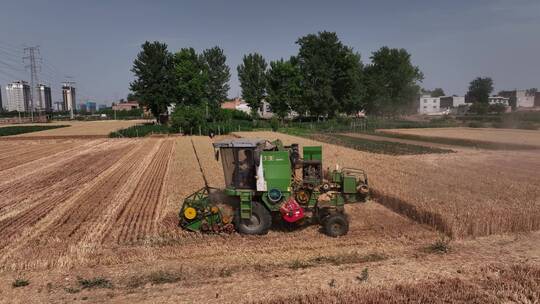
[14, 130]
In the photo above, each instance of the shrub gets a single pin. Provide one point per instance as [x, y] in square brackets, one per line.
[274, 124]
[442, 245]
[162, 277]
[475, 124]
[141, 131]
[20, 283]
[363, 276]
[97, 282]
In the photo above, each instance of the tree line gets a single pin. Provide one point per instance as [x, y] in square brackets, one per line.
[326, 78]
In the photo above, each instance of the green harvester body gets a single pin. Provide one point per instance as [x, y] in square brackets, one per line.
[265, 180]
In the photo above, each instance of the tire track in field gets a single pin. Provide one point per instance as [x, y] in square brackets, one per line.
[51, 179]
[96, 236]
[88, 207]
[79, 240]
[178, 185]
[24, 157]
[11, 227]
[36, 167]
[137, 217]
[37, 235]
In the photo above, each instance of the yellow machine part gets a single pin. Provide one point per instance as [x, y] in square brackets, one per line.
[190, 213]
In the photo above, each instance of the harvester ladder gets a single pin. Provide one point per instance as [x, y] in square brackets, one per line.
[245, 205]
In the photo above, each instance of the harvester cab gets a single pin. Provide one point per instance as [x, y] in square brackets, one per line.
[267, 181]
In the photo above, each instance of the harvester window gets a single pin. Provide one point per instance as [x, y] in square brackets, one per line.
[239, 167]
[227, 158]
[245, 169]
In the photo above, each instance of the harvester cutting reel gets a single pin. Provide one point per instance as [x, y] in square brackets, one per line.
[200, 213]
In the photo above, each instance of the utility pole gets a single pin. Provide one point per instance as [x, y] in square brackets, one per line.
[33, 52]
[71, 97]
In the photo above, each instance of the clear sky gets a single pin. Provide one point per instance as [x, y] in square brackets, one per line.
[95, 42]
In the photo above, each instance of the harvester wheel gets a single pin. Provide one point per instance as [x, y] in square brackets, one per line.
[336, 225]
[259, 223]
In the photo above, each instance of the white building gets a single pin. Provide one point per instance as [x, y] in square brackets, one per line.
[524, 99]
[429, 105]
[18, 96]
[69, 97]
[45, 98]
[499, 99]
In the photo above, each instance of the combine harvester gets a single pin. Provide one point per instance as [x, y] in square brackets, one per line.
[266, 182]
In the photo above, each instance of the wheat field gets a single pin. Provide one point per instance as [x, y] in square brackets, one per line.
[470, 193]
[108, 208]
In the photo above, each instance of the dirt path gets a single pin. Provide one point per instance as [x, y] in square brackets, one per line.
[406, 141]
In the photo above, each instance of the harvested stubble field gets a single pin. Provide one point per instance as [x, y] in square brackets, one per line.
[107, 209]
[484, 135]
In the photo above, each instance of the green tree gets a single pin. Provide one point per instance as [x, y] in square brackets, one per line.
[332, 75]
[252, 76]
[497, 108]
[131, 97]
[479, 90]
[154, 77]
[392, 82]
[188, 118]
[437, 92]
[284, 81]
[218, 74]
[479, 108]
[191, 77]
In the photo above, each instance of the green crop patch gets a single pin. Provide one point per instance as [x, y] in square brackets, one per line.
[478, 144]
[14, 130]
[376, 146]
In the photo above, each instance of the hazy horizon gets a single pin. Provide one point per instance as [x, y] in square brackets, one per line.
[95, 43]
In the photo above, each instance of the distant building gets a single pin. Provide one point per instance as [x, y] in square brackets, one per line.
[450, 102]
[69, 97]
[265, 110]
[91, 106]
[45, 98]
[1, 105]
[520, 98]
[429, 105]
[499, 100]
[82, 107]
[537, 99]
[125, 106]
[18, 96]
[58, 106]
[102, 107]
[232, 104]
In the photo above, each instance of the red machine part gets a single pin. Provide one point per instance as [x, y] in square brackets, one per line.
[291, 211]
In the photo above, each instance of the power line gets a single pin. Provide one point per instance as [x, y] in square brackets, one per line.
[11, 66]
[11, 56]
[11, 48]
